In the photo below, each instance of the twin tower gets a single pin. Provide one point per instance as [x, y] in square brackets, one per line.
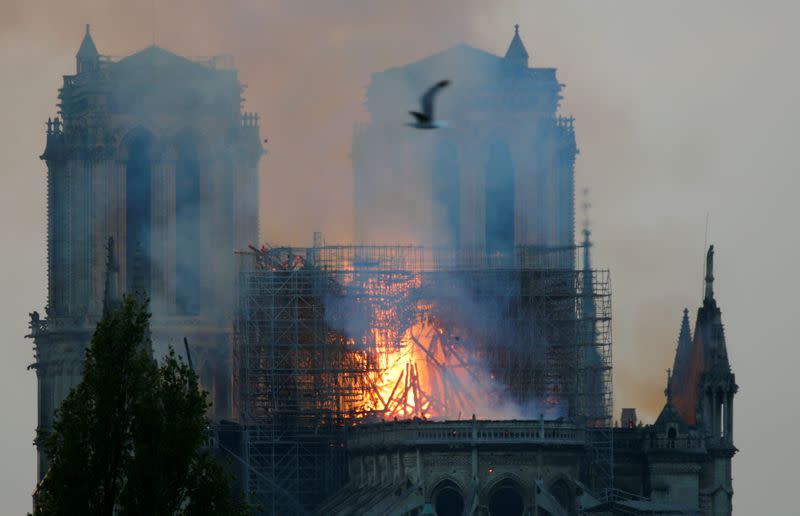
[154, 151]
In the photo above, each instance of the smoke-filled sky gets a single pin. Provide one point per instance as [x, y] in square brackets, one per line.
[684, 110]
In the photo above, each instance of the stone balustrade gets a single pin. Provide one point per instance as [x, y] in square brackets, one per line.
[404, 434]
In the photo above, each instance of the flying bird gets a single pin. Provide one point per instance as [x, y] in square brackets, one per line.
[425, 118]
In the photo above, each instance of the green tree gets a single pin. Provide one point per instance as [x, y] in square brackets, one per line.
[128, 440]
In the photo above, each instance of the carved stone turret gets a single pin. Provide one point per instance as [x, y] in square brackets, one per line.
[87, 57]
[517, 53]
[703, 388]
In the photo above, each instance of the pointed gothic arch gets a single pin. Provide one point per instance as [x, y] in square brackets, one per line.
[499, 200]
[188, 146]
[447, 497]
[563, 493]
[136, 153]
[506, 497]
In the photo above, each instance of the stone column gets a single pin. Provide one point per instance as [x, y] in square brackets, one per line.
[246, 195]
[82, 236]
[400, 465]
[420, 476]
[99, 233]
[62, 238]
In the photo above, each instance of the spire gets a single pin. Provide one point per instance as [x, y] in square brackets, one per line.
[87, 55]
[587, 244]
[668, 390]
[87, 50]
[588, 307]
[516, 52]
[588, 288]
[111, 299]
[669, 414]
[709, 274]
[682, 366]
[138, 286]
[685, 336]
[704, 361]
[684, 346]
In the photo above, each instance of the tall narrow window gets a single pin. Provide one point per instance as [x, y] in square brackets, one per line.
[137, 211]
[499, 188]
[447, 196]
[188, 250]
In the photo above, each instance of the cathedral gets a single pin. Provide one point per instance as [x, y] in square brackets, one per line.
[154, 151]
[152, 184]
[490, 468]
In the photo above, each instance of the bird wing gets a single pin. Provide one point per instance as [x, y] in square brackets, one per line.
[427, 98]
[421, 118]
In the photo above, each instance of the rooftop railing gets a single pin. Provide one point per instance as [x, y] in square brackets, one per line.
[471, 433]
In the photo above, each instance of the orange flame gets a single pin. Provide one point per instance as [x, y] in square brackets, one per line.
[419, 371]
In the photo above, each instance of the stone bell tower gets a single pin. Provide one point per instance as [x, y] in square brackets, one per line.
[716, 389]
[154, 151]
[502, 175]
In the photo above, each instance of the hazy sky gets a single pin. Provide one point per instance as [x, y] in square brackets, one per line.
[683, 109]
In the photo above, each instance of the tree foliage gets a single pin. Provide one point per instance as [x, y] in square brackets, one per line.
[128, 440]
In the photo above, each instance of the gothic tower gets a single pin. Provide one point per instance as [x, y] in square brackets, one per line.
[704, 388]
[499, 175]
[154, 151]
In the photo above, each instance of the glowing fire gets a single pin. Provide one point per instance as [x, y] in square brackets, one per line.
[425, 373]
[400, 349]
[417, 368]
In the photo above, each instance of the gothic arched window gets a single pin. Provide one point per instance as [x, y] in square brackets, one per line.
[188, 253]
[138, 200]
[499, 188]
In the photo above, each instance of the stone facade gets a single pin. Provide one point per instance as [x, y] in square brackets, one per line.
[501, 174]
[477, 466]
[154, 151]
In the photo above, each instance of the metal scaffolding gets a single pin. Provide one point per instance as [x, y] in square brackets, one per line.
[330, 336]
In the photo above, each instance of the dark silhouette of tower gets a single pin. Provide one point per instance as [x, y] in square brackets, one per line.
[703, 387]
[500, 174]
[154, 151]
